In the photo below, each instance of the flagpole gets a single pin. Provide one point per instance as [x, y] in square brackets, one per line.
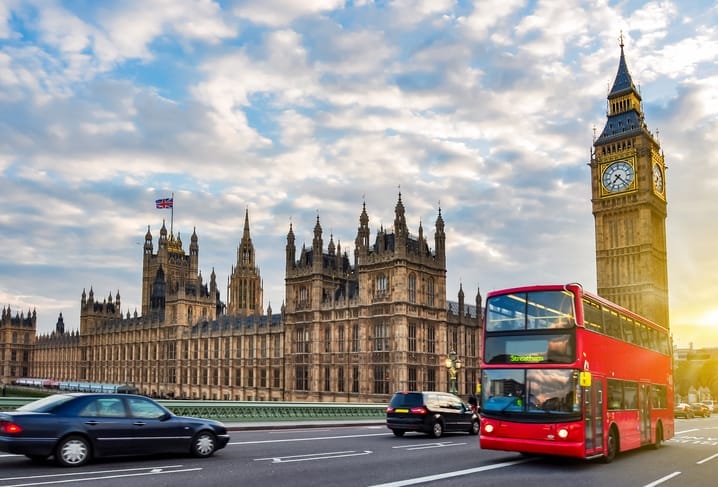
[172, 213]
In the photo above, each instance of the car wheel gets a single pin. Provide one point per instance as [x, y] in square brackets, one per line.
[437, 429]
[398, 432]
[204, 444]
[611, 445]
[474, 427]
[72, 451]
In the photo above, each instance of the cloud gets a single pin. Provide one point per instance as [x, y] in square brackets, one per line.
[279, 13]
[295, 110]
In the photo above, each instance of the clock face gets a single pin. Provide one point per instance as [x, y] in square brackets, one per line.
[618, 176]
[657, 178]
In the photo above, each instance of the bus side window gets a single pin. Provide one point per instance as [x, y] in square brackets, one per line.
[658, 394]
[615, 394]
[664, 346]
[612, 323]
[643, 333]
[630, 395]
[628, 330]
[592, 316]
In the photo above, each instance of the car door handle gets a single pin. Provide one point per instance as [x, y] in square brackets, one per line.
[139, 423]
[92, 423]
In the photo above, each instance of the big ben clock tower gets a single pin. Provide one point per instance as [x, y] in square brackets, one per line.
[629, 206]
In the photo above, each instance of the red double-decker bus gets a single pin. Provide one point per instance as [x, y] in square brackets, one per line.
[566, 372]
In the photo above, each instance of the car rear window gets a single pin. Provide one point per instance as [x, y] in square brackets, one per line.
[45, 404]
[409, 399]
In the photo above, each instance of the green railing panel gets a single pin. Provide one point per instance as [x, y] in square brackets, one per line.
[248, 411]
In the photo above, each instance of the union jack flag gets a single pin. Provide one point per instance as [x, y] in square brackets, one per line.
[164, 203]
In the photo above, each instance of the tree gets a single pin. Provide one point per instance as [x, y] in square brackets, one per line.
[707, 376]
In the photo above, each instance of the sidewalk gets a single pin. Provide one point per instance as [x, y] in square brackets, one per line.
[274, 425]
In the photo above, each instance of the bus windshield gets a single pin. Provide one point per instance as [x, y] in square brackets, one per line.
[530, 310]
[532, 392]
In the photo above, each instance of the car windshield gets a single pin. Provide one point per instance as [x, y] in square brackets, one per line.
[45, 404]
[533, 392]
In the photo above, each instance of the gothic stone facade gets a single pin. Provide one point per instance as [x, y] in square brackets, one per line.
[347, 332]
[17, 338]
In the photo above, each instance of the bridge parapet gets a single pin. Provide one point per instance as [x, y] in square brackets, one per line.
[248, 411]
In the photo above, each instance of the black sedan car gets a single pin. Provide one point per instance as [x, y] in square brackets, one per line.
[75, 428]
[430, 412]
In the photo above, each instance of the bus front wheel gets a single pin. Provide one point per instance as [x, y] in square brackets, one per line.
[611, 445]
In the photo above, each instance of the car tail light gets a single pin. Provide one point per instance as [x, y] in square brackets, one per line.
[10, 428]
[418, 410]
[389, 410]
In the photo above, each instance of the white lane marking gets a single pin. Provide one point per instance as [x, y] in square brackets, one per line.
[65, 481]
[440, 444]
[662, 479]
[448, 475]
[289, 440]
[91, 472]
[299, 430]
[687, 431]
[707, 459]
[315, 456]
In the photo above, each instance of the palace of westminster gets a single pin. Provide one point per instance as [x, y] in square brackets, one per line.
[347, 331]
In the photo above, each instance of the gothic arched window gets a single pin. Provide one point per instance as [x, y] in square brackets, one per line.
[412, 288]
[430, 292]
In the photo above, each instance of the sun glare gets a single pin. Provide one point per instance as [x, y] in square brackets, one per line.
[709, 319]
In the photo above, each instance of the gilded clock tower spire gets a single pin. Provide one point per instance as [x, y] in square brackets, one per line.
[629, 205]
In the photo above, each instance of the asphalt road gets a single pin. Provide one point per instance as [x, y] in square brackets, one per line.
[371, 456]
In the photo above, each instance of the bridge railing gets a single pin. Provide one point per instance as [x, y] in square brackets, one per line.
[248, 411]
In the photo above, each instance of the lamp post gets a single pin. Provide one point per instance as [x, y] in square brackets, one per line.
[453, 364]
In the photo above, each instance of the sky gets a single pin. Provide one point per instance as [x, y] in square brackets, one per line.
[293, 110]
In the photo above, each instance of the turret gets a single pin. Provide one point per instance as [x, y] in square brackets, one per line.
[148, 243]
[193, 251]
[60, 325]
[440, 239]
[162, 242]
[361, 244]
[401, 232]
[317, 247]
[291, 250]
[479, 304]
[331, 248]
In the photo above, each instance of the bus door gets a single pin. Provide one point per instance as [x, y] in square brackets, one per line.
[593, 416]
[644, 411]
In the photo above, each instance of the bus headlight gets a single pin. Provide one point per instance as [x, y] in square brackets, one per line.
[489, 428]
[563, 433]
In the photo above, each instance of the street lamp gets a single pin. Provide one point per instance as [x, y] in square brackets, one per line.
[453, 364]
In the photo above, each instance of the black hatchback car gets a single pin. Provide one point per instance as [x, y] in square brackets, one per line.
[76, 427]
[430, 412]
